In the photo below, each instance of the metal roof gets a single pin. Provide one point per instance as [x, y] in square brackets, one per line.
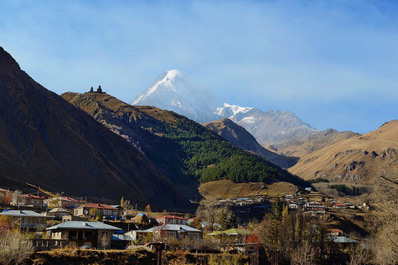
[84, 226]
[21, 213]
[172, 227]
[343, 239]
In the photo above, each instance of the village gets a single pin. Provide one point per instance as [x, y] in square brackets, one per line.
[55, 221]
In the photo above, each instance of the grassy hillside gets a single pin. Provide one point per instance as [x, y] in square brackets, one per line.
[182, 148]
[359, 159]
[225, 189]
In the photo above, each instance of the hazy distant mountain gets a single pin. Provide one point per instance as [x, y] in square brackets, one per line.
[240, 137]
[267, 127]
[48, 142]
[173, 91]
[359, 159]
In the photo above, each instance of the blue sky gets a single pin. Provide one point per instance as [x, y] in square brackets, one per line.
[333, 63]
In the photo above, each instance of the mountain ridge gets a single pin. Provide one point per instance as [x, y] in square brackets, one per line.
[50, 143]
[170, 139]
[358, 159]
[240, 137]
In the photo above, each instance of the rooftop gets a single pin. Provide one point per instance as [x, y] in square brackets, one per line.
[84, 226]
[99, 206]
[20, 213]
[171, 217]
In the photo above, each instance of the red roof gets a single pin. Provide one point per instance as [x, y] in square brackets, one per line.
[33, 196]
[171, 217]
[70, 199]
[99, 206]
[335, 230]
[340, 204]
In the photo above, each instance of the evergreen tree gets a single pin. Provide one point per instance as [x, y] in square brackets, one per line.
[232, 220]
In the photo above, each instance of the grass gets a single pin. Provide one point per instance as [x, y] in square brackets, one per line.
[224, 189]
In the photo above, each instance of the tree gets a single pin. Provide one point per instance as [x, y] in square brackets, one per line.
[93, 212]
[148, 208]
[209, 212]
[15, 248]
[232, 220]
[16, 198]
[5, 225]
[223, 218]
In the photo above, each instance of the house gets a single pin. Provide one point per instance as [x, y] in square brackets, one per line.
[26, 219]
[84, 234]
[101, 210]
[58, 213]
[334, 232]
[32, 200]
[340, 206]
[164, 231]
[234, 235]
[343, 241]
[62, 202]
[172, 219]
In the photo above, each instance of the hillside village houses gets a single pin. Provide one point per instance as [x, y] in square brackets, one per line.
[99, 209]
[71, 225]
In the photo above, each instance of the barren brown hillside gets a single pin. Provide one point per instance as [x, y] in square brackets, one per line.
[311, 143]
[359, 159]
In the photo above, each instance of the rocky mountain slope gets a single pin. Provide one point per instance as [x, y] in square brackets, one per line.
[183, 149]
[46, 141]
[173, 91]
[359, 159]
[240, 137]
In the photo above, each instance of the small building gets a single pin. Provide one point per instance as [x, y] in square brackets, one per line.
[62, 202]
[340, 206]
[84, 234]
[58, 213]
[172, 219]
[165, 231]
[236, 235]
[32, 200]
[102, 209]
[26, 219]
[334, 232]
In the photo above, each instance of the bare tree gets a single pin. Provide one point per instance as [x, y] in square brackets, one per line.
[16, 198]
[15, 248]
[209, 212]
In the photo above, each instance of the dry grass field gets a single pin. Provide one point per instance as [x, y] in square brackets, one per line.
[224, 189]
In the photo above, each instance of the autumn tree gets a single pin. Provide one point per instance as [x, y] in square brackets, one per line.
[15, 248]
[148, 208]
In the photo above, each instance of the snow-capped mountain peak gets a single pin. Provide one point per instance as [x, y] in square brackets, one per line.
[165, 81]
[173, 91]
[231, 111]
